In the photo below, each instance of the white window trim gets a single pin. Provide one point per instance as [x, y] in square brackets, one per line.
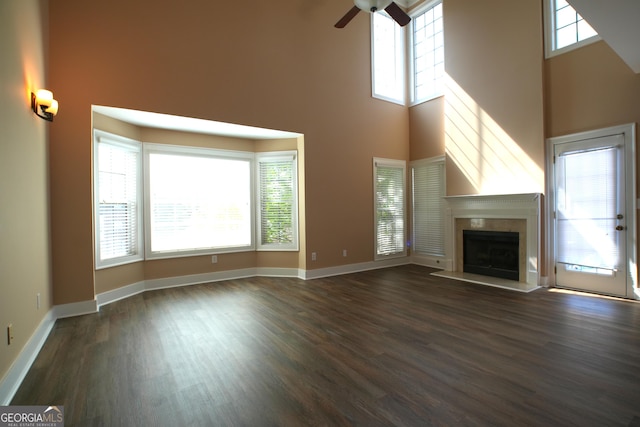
[100, 136]
[550, 34]
[410, 53]
[401, 62]
[398, 164]
[277, 156]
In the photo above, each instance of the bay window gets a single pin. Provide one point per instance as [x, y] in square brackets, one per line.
[189, 200]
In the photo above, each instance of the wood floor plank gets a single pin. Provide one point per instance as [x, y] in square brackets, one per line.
[396, 346]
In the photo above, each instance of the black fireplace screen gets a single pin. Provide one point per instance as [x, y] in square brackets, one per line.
[491, 253]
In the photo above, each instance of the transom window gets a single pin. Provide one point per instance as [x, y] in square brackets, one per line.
[424, 61]
[387, 55]
[427, 53]
[565, 28]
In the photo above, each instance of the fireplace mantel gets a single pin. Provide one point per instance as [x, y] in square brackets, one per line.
[498, 203]
[509, 209]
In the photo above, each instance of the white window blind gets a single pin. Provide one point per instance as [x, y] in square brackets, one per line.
[428, 207]
[389, 199]
[387, 47]
[427, 53]
[198, 202]
[277, 194]
[587, 208]
[118, 200]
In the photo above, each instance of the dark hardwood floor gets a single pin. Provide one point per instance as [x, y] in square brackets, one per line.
[388, 347]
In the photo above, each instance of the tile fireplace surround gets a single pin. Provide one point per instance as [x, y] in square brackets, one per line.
[510, 212]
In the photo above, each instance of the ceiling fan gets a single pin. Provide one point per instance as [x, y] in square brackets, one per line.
[371, 6]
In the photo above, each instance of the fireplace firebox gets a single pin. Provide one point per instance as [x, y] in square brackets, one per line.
[491, 253]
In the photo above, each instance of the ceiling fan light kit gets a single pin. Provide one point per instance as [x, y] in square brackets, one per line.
[372, 6]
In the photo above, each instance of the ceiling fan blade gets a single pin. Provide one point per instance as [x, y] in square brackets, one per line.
[347, 17]
[397, 14]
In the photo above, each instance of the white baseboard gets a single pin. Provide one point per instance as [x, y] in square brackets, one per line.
[195, 279]
[18, 370]
[433, 262]
[108, 297]
[279, 272]
[353, 268]
[75, 309]
[120, 293]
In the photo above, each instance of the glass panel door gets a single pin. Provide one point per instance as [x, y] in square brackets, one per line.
[589, 215]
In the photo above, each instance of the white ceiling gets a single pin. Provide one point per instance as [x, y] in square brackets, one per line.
[189, 124]
[406, 3]
[618, 23]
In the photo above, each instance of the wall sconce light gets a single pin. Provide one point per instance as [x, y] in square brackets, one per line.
[43, 104]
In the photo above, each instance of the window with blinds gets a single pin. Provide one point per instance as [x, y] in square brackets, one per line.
[199, 200]
[389, 178]
[428, 190]
[118, 200]
[587, 209]
[278, 206]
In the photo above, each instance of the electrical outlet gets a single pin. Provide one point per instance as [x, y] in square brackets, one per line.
[9, 334]
[344, 252]
[214, 259]
[314, 256]
[38, 300]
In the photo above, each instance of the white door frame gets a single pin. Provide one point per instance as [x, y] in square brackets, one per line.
[629, 132]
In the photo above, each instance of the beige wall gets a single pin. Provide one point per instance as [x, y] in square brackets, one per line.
[490, 122]
[24, 225]
[590, 88]
[283, 67]
[494, 97]
[427, 129]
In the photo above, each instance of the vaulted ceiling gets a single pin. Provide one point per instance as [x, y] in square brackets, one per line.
[618, 23]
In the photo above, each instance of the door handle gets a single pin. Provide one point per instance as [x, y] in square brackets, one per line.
[619, 227]
[620, 216]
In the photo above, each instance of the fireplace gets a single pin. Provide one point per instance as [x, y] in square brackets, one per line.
[491, 253]
[512, 213]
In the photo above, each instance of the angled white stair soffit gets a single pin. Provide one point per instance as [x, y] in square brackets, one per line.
[617, 22]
